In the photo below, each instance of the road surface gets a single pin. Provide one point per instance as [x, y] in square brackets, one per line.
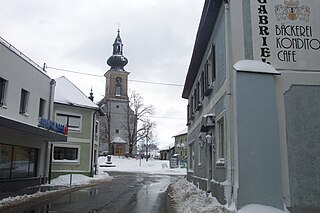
[127, 192]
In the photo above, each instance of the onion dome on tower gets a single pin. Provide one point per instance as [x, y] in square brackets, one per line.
[117, 61]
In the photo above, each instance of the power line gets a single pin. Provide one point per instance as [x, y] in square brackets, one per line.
[139, 81]
[151, 116]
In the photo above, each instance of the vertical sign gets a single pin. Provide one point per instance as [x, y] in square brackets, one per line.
[286, 33]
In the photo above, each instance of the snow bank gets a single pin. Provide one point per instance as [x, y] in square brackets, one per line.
[190, 199]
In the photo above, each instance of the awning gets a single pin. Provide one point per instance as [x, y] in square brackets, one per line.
[7, 124]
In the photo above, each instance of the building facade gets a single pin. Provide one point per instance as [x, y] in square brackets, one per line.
[253, 88]
[118, 123]
[26, 100]
[80, 115]
[180, 144]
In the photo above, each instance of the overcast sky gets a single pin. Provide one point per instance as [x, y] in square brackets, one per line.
[158, 38]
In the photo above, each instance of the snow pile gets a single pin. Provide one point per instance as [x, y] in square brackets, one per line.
[77, 179]
[151, 166]
[63, 180]
[14, 200]
[189, 199]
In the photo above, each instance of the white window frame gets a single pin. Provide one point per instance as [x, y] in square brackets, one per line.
[65, 160]
[23, 108]
[71, 115]
[220, 150]
[42, 107]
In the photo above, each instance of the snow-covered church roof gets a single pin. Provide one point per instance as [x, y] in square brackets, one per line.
[118, 140]
[67, 93]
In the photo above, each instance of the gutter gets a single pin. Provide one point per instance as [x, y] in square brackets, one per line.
[229, 192]
[92, 137]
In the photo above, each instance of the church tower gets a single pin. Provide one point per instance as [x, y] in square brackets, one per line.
[116, 76]
[119, 118]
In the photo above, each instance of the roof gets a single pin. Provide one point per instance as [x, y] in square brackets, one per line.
[170, 146]
[118, 140]
[67, 93]
[208, 18]
[184, 131]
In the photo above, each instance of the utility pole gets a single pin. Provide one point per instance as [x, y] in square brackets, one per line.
[147, 140]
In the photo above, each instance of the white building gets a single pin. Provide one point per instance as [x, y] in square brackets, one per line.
[26, 95]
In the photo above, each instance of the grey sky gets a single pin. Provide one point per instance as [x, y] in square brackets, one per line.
[158, 37]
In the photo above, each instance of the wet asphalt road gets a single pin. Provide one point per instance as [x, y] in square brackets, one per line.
[127, 192]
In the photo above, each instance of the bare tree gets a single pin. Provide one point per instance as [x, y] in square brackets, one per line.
[105, 133]
[137, 123]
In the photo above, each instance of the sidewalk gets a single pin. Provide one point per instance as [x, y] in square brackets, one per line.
[30, 191]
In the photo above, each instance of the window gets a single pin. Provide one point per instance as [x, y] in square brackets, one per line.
[3, 89]
[221, 141]
[213, 63]
[195, 100]
[65, 153]
[118, 86]
[188, 113]
[206, 78]
[117, 130]
[42, 105]
[96, 128]
[198, 93]
[73, 122]
[18, 161]
[203, 85]
[24, 101]
[200, 148]
[191, 156]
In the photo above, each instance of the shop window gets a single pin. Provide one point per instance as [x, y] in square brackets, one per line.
[66, 153]
[18, 162]
[73, 122]
[5, 160]
[24, 102]
[3, 90]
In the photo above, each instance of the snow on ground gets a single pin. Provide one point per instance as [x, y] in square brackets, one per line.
[151, 166]
[188, 198]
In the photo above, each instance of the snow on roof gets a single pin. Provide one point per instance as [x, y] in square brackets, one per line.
[67, 93]
[167, 147]
[255, 66]
[184, 131]
[118, 140]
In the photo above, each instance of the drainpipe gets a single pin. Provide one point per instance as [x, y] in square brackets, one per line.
[51, 98]
[92, 142]
[48, 154]
[229, 109]
[209, 161]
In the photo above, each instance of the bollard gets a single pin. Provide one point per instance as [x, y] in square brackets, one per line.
[40, 183]
[70, 179]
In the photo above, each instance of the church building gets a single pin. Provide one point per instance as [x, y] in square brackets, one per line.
[119, 120]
